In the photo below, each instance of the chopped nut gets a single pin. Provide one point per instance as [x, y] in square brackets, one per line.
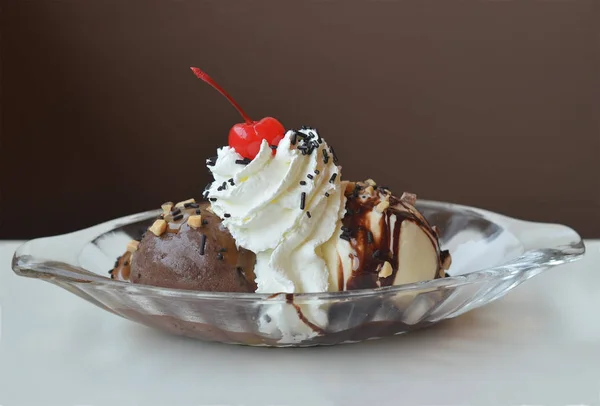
[370, 182]
[181, 204]
[195, 221]
[133, 245]
[350, 187]
[446, 259]
[386, 270]
[158, 228]
[369, 190]
[409, 198]
[166, 207]
[382, 206]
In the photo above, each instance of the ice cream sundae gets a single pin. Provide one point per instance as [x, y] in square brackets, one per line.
[279, 218]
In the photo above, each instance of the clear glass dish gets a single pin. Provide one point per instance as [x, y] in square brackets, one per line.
[491, 255]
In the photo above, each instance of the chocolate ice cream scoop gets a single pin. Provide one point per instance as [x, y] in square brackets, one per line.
[189, 248]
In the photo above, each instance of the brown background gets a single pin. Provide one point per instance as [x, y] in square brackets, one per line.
[486, 103]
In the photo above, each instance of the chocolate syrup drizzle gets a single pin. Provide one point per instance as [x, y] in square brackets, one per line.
[289, 298]
[373, 252]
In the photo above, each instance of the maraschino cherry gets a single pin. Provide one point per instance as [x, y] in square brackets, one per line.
[246, 137]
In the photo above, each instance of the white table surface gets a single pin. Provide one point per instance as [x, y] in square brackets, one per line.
[539, 345]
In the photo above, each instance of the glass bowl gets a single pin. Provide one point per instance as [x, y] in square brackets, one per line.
[491, 255]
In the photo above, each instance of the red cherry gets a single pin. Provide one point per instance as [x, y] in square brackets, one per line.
[246, 137]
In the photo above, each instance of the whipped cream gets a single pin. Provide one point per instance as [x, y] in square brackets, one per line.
[283, 206]
[288, 206]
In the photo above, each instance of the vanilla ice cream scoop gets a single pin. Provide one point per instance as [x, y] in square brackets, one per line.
[382, 241]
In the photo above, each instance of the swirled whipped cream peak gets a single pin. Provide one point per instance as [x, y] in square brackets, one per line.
[283, 205]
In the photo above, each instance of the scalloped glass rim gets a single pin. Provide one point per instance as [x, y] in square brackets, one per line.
[544, 246]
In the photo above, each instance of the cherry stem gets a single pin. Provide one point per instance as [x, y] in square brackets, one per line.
[203, 76]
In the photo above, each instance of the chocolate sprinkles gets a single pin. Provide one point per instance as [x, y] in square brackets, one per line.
[369, 237]
[202, 243]
[178, 217]
[307, 143]
[335, 160]
[309, 176]
[244, 161]
[332, 179]
[226, 215]
[303, 183]
[346, 233]
[302, 200]
[308, 214]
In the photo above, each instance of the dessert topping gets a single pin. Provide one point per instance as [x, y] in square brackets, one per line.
[386, 270]
[159, 227]
[382, 206]
[184, 203]
[166, 207]
[195, 221]
[246, 137]
[133, 245]
[446, 259]
[409, 198]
